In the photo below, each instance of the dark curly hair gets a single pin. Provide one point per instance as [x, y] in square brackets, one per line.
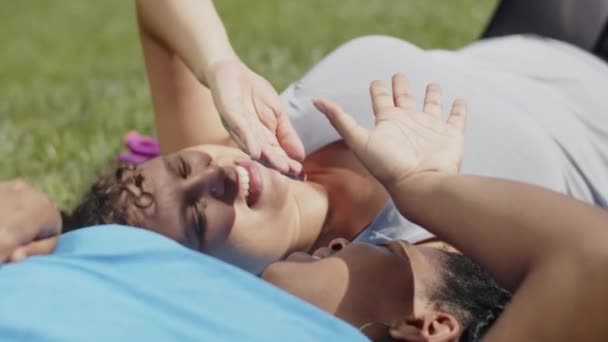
[106, 201]
[471, 294]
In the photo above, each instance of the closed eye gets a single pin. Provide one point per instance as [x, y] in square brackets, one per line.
[200, 221]
[183, 168]
[386, 246]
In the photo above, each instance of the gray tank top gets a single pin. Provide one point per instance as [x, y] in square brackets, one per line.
[537, 112]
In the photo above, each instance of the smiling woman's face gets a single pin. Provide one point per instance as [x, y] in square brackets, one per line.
[215, 199]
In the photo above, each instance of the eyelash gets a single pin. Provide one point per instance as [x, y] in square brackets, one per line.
[184, 168]
[200, 224]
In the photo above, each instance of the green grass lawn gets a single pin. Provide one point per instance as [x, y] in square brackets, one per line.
[72, 80]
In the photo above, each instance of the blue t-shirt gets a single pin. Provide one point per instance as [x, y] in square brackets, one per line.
[115, 283]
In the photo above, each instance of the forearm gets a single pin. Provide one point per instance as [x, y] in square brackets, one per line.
[185, 112]
[562, 298]
[548, 247]
[190, 28]
[508, 227]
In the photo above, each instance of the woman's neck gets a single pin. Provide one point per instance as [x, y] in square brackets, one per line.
[327, 209]
[312, 214]
[352, 197]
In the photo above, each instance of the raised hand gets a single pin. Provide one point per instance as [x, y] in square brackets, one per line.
[252, 113]
[29, 223]
[405, 141]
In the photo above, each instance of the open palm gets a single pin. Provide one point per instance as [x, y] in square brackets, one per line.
[404, 141]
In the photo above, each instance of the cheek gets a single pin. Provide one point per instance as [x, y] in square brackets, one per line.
[373, 267]
[220, 222]
[281, 189]
[262, 232]
[252, 242]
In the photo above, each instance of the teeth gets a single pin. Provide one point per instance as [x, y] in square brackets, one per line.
[243, 179]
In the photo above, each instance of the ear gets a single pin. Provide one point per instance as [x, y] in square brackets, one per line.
[432, 327]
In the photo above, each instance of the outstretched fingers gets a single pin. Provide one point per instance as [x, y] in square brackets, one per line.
[402, 93]
[458, 114]
[433, 104]
[381, 96]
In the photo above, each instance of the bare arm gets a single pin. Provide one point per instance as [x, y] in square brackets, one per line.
[203, 93]
[174, 37]
[551, 249]
[190, 28]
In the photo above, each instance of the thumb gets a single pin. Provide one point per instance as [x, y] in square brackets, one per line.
[38, 247]
[353, 134]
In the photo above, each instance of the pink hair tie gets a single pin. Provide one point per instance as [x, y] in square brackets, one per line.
[141, 148]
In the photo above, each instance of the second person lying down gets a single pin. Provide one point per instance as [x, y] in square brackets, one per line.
[212, 197]
[419, 293]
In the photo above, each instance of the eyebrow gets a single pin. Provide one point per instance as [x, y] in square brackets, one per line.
[190, 232]
[167, 165]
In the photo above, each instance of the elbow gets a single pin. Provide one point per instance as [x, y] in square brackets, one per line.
[139, 5]
[143, 16]
[143, 10]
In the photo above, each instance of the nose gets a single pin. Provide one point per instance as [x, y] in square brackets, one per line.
[333, 247]
[214, 180]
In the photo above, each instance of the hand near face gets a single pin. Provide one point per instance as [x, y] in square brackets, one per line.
[405, 141]
[252, 113]
[29, 223]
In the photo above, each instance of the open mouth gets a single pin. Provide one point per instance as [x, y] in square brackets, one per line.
[250, 182]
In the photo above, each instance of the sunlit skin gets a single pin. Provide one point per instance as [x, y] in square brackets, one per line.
[194, 93]
[194, 197]
[197, 200]
[360, 282]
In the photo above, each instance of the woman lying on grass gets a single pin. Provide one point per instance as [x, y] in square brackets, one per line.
[533, 120]
[405, 292]
[547, 248]
[212, 197]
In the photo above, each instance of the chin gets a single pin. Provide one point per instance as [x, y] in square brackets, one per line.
[277, 187]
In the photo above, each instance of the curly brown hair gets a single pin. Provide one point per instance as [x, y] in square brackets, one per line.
[106, 201]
